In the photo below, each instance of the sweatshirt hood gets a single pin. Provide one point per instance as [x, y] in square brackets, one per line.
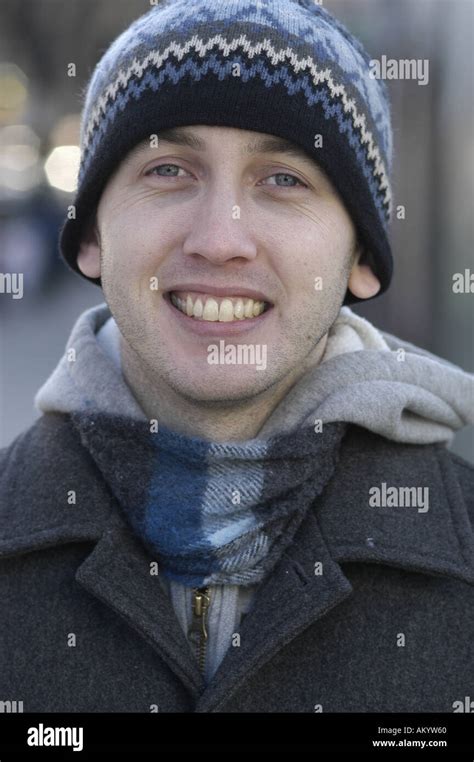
[366, 377]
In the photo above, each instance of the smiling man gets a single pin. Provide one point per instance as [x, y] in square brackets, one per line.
[238, 497]
[195, 242]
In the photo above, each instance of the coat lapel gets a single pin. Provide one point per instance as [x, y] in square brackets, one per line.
[117, 572]
[291, 598]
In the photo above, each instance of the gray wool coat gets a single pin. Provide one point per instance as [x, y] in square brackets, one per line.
[371, 609]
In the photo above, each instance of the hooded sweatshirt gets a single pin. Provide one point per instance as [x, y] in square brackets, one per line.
[365, 377]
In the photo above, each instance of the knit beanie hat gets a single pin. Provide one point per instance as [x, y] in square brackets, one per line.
[282, 67]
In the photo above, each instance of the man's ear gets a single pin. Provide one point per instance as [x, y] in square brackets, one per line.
[88, 258]
[362, 281]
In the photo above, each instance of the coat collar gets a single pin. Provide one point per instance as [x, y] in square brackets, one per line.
[341, 528]
[439, 540]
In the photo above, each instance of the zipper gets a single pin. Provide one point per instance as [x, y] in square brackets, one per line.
[198, 634]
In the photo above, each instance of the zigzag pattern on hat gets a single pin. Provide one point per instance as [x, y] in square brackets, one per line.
[334, 98]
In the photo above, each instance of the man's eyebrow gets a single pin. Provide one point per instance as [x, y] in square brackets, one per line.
[173, 135]
[267, 144]
[273, 144]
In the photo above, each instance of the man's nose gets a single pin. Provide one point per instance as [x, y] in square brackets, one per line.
[220, 229]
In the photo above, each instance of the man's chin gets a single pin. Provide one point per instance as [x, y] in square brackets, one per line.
[214, 393]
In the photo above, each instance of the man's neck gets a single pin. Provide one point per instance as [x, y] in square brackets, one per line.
[236, 421]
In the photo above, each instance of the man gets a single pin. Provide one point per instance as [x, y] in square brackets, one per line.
[238, 497]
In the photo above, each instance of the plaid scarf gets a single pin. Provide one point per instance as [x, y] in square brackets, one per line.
[211, 513]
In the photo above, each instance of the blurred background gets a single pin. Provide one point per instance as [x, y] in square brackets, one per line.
[39, 132]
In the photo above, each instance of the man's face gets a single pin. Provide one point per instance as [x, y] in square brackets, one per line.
[211, 222]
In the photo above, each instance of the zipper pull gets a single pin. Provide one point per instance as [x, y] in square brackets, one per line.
[197, 632]
[200, 607]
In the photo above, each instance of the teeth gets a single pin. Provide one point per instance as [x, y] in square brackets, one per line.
[198, 308]
[226, 311]
[229, 309]
[239, 309]
[211, 310]
[248, 308]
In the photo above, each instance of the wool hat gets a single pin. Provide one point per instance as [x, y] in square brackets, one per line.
[283, 67]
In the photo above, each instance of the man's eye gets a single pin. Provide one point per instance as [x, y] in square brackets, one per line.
[168, 170]
[287, 180]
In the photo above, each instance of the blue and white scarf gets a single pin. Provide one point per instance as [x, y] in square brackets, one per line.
[211, 513]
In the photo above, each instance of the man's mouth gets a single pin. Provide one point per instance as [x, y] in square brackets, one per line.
[215, 309]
